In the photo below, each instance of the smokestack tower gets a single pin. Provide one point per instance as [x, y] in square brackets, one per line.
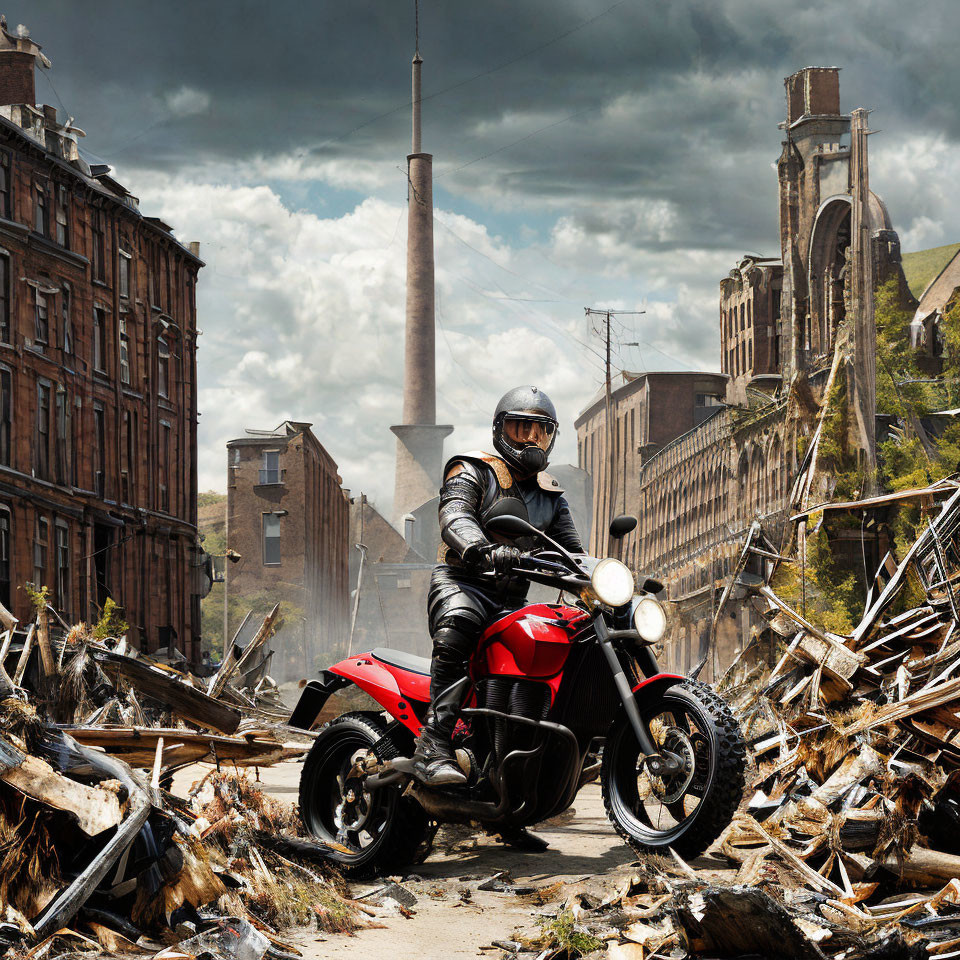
[419, 437]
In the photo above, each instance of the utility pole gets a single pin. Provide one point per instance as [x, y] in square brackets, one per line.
[609, 418]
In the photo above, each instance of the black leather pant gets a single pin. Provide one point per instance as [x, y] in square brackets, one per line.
[459, 607]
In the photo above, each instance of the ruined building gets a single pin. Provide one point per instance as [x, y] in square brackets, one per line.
[710, 475]
[98, 402]
[287, 518]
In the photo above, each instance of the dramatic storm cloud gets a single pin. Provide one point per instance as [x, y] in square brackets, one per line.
[586, 153]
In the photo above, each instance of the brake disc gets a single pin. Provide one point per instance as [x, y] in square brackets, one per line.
[670, 787]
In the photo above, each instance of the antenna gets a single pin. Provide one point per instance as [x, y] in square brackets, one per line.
[417, 61]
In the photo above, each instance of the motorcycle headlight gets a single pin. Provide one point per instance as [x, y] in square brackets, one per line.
[612, 582]
[649, 620]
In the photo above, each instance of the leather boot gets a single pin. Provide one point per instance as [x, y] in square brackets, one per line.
[434, 761]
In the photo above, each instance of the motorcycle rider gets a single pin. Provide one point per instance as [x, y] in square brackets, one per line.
[461, 602]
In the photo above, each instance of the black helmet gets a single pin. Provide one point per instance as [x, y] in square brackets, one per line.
[525, 403]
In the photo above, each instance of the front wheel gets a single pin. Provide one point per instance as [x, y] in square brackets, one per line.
[688, 809]
[380, 831]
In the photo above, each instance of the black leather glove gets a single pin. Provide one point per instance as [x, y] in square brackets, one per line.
[498, 558]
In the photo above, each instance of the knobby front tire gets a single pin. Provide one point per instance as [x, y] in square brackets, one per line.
[688, 716]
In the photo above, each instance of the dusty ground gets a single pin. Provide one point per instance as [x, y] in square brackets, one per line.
[453, 919]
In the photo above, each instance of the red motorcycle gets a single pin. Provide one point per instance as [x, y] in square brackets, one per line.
[552, 686]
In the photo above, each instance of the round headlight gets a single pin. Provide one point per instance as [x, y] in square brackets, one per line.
[612, 582]
[649, 620]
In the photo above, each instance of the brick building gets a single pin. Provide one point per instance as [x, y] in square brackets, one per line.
[697, 493]
[649, 410]
[750, 323]
[287, 517]
[98, 404]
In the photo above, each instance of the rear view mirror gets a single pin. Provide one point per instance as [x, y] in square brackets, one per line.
[622, 525]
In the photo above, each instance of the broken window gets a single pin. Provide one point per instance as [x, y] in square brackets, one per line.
[5, 556]
[98, 351]
[124, 351]
[4, 298]
[66, 326]
[40, 316]
[6, 207]
[98, 260]
[270, 469]
[63, 226]
[124, 273]
[62, 452]
[63, 565]
[99, 450]
[271, 539]
[163, 367]
[41, 535]
[6, 414]
[42, 451]
[40, 213]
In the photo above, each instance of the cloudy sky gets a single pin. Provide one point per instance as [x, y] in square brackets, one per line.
[587, 153]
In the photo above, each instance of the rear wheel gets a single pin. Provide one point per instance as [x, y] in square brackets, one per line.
[689, 808]
[383, 831]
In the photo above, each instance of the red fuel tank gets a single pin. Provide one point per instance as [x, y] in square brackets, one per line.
[531, 642]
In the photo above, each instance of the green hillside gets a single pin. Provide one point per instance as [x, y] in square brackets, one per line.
[921, 267]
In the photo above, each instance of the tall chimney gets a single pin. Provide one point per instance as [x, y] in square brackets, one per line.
[419, 437]
[19, 56]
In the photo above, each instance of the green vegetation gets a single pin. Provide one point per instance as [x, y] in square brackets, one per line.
[562, 934]
[39, 598]
[924, 265]
[208, 497]
[111, 622]
[259, 604]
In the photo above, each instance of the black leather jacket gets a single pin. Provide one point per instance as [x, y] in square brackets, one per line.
[483, 480]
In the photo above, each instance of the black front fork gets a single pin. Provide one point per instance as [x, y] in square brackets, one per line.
[656, 761]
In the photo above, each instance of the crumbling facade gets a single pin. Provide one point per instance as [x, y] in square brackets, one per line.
[98, 401]
[287, 518]
[780, 318]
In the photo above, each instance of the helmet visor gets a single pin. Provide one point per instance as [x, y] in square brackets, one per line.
[532, 431]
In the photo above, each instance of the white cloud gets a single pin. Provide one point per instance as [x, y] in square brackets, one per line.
[187, 101]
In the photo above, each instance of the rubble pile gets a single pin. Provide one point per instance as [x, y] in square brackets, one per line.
[848, 844]
[96, 855]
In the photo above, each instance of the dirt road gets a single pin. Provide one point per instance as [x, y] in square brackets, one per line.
[453, 919]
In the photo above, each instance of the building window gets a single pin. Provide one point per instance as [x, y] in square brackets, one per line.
[4, 298]
[270, 470]
[155, 276]
[98, 351]
[62, 456]
[41, 318]
[124, 273]
[5, 204]
[164, 460]
[63, 225]
[43, 431]
[128, 474]
[271, 539]
[66, 326]
[40, 213]
[124, 351]
[63, 565]
[41, 535]
[5, 556]
[6, 414]
[99, 451]
[163, 367]
[98, 260]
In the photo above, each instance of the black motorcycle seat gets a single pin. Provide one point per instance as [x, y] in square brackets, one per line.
[405, 661]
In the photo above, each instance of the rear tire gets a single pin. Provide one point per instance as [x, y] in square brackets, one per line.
[714, 781]
[392, 831]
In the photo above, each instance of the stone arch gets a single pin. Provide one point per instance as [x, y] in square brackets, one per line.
[828, 271]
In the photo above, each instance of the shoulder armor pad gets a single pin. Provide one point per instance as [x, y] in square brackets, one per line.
[548, 483]
[499, 467]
